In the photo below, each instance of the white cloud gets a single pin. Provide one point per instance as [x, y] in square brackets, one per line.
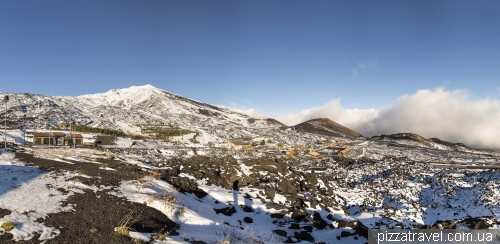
[450, 115]
[362, 66]
[243, 108]
[332, 109]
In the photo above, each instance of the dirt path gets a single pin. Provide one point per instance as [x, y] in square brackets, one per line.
[96, 215]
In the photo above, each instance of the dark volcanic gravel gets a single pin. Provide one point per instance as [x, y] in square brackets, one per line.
[96, 215]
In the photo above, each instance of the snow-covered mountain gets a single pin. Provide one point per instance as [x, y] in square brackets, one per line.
[412, 139]
[129, 108]
[126, 108]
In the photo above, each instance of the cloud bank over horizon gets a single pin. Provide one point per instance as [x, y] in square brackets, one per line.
[450, 115]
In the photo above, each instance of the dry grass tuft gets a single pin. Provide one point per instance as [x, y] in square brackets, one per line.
[181, 211]
[110, 155]
[150, 200]
[8, 226]
[169, 198]
[125, 223]
[162, 236]
[141, 183]
[155, 175]
[174, 204]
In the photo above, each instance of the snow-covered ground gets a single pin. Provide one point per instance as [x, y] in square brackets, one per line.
[381, 186]
[30, 194]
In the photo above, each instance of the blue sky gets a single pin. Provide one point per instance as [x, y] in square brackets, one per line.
[275, 56]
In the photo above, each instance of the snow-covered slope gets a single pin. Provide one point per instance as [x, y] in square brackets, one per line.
[412, 139]
[125, 109]
[129, 108]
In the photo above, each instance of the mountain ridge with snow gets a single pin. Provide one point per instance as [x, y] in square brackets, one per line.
[127, 108]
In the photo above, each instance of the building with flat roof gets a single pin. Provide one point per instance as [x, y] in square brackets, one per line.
[56, 138]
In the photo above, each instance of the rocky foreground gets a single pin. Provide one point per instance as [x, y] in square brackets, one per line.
[207, 197]
[344, 196]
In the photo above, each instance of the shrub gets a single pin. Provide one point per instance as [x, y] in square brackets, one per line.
[124, 224]
[8, 226]
[162, 236]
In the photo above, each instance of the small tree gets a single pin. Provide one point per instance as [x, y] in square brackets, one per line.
[262, 143]
[254, 144]
[269, 141]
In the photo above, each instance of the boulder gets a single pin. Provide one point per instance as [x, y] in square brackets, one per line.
[281, 166]
[450, 224]
[270, 192]
[314, 202]
[286, 186]
[275, 206]
[304, 185]
[280, 232]
[299, 214]
[303, 235]
[246, 208]
[476, 223]
[268, 168]
[318, 222]
[279, 215]
[228, 211]
[185, 185]
[308, 228]
[289, 240]
[313, 179]
[346, 224]
[361, 229]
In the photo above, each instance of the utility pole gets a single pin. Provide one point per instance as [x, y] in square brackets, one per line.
[24, 133]
[70, 128]
[49, 136]
[5, 99]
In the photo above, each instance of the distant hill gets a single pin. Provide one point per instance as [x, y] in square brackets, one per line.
[128, 108]
[412, 139]
[327, 127]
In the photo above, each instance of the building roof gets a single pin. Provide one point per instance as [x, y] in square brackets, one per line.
[45, 134]
[51, 134]
[55, 134]
[36, 134]
[74, 136]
